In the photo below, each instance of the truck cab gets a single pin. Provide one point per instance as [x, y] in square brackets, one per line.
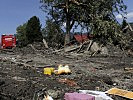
[8, 41]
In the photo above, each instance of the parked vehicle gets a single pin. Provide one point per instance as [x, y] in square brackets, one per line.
[8, 41]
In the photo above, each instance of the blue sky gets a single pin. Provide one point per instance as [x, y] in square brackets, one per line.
[129, 15]
[16, 12]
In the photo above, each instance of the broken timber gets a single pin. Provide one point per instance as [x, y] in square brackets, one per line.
[71, 48]
[33, 48]
[19, 63]
[128, 69]
[45, 43]
[90, 43]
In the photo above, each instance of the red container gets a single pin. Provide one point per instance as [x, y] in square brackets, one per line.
[8, 41]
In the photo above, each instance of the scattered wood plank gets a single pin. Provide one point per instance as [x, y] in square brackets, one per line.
[56, 51]
[80, 47]
[120, 92]
[45, 43]
[19, 63]
[89, 46]
[71, 48]
[33, 47]
[128, 69]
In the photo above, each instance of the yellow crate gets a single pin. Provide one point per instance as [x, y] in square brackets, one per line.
[48, 71]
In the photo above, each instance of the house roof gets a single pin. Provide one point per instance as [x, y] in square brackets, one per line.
[81, 38]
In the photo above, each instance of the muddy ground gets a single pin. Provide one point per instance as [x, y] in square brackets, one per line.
[100, 72]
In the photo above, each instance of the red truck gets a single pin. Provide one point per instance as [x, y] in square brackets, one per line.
[8, 41]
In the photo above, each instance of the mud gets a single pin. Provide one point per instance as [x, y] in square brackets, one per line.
[100, 72]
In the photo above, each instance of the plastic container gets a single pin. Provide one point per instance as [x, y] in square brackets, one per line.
[48, 71]
[78, 96]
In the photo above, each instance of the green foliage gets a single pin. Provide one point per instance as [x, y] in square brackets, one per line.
[96, 15]
[29, 32]
[21, 35]
[124, 26]
[33, 30]
[53, 34]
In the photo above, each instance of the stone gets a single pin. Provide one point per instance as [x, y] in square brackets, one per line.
[95, 47]
[53, 93]
[104, 51]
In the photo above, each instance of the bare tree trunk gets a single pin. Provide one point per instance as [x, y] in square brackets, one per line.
[130, 27]
[67, 37]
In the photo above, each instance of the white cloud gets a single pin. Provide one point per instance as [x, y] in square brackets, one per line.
[119, 16]
[64, 24]
[128, 16]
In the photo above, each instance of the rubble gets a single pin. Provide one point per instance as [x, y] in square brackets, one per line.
[68, 82]
[22, 71]
[54, 94]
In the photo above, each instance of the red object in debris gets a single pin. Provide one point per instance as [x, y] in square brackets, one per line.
[68, 82]
[8, 41]
[81, 38]
[78, 96]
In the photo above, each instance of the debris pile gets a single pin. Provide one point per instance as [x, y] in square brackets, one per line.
[23, 71]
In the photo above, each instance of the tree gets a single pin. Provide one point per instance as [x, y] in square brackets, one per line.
[33, 30]
[124, 26]
[29, 32]
[53, 34]
[21, 35]
[96, 15]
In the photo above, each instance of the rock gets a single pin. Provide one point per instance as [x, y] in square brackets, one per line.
[95, 47]
[53, 93]
[17, 78]
[87, 52]
[104, 51]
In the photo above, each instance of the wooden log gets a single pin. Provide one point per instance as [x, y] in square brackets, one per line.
[45, 43]
[33, 47]
[56, 51]
[80, 48]
[128, 69]
[71, 48]
[89, 46]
